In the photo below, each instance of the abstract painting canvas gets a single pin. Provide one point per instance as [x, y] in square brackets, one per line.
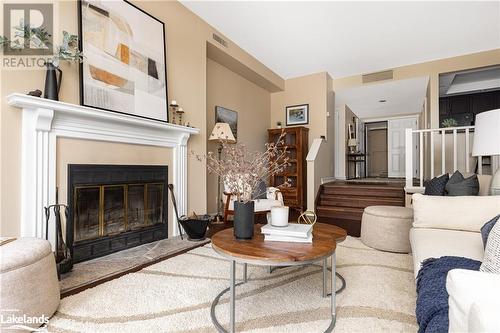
[124, 69]
[223, 115]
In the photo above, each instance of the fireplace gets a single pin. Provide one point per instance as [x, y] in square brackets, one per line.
[115, 207]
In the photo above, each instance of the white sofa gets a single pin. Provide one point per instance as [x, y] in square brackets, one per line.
[450, 226]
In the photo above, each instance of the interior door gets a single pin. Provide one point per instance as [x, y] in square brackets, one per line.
[396, 145]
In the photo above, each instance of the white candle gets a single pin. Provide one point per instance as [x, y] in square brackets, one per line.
[279, 216]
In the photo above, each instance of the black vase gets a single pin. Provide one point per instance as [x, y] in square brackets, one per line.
[243, 219]
[52, 84]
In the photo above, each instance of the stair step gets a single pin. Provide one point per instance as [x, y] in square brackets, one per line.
[358, 201]
[365, 190]
[347, 213]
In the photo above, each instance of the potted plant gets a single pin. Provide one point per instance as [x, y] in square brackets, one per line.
[67, 51]
[241, 171]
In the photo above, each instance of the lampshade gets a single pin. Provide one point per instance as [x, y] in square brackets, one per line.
[222, 132]
[487, 134]
[352, 142]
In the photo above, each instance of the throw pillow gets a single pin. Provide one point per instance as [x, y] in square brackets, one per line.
[458, 185]
[486, 229]
[260, 191]
[437, 185]
[491, 261]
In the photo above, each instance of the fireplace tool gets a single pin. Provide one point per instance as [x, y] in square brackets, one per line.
[64, 261]
[196, 227]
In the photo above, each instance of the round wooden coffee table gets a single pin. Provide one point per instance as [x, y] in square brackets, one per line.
[256, 251]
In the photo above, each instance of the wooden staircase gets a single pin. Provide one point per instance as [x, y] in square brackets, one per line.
[342, 202]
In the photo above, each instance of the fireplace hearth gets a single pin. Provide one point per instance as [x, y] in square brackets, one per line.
[115, 207]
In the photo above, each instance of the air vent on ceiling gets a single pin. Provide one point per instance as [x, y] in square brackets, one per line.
[379, 76]
[219, 40]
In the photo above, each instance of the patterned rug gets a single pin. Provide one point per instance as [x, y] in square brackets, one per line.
[175, 296]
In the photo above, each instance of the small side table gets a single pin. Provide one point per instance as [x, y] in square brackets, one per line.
[256, 251]
[355, 158]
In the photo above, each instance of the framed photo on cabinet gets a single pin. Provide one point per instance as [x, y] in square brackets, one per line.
[297, 114]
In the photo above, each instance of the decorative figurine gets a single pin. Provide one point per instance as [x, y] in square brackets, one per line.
[36, 93]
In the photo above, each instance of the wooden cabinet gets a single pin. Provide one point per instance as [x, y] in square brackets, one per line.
[297, 142]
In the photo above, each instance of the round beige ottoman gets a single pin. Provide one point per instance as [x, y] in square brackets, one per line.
[387, 228]
[28, 281]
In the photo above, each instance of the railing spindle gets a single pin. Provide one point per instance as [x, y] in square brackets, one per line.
[421, 158]
[467, 167]
[432, 154]
[455, 167]
[480, 165]
[443, 152]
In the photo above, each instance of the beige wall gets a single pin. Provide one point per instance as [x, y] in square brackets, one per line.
[315, 90]
[431, 115]
[186, 37]
[310, 89]
[230, 90]
[431, 69]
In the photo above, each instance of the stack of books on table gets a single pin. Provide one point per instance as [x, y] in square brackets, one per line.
[293, 232]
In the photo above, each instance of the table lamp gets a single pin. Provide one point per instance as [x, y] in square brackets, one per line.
[487, 141]
[221, 133]
[352, 144]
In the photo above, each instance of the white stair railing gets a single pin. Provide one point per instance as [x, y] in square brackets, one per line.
[421, 136]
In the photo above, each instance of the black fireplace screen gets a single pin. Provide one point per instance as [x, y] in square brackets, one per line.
[113, 207]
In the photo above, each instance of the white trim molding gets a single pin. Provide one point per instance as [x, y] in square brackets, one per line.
[43, 121]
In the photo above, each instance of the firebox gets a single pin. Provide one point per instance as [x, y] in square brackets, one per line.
[115, 207]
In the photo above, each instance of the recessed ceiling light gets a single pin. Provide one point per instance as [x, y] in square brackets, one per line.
[382, 101]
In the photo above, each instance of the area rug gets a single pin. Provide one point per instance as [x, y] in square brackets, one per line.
[175, 296]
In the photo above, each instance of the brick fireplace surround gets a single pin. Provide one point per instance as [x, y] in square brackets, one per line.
[43, 121]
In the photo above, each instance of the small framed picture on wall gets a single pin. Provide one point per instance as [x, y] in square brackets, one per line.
[297, 115]
[223, 115]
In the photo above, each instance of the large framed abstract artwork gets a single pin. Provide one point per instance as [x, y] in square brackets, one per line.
[124, 66]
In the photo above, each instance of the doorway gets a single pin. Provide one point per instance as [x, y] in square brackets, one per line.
[376, 149]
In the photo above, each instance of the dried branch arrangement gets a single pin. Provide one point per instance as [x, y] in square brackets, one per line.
[241, 170]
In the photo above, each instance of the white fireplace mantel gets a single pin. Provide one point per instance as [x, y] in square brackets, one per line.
[44, 120]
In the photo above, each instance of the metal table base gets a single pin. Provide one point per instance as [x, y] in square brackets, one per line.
[233, 285]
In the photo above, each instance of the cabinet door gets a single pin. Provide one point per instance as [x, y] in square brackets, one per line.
[459, 104]
[443, 107]
[484, 102]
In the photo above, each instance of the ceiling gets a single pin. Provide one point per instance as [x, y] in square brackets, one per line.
[402, 97]
[295, 38]
[469, 81]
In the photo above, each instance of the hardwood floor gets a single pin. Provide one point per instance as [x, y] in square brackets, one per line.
[342, 202]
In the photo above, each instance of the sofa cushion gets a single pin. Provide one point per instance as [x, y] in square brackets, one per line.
[465, 288]
[466, 213]
[458, 185]
[437, 185]
[483, 316]
[486, 228]
[491, 261]
[435, 243]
